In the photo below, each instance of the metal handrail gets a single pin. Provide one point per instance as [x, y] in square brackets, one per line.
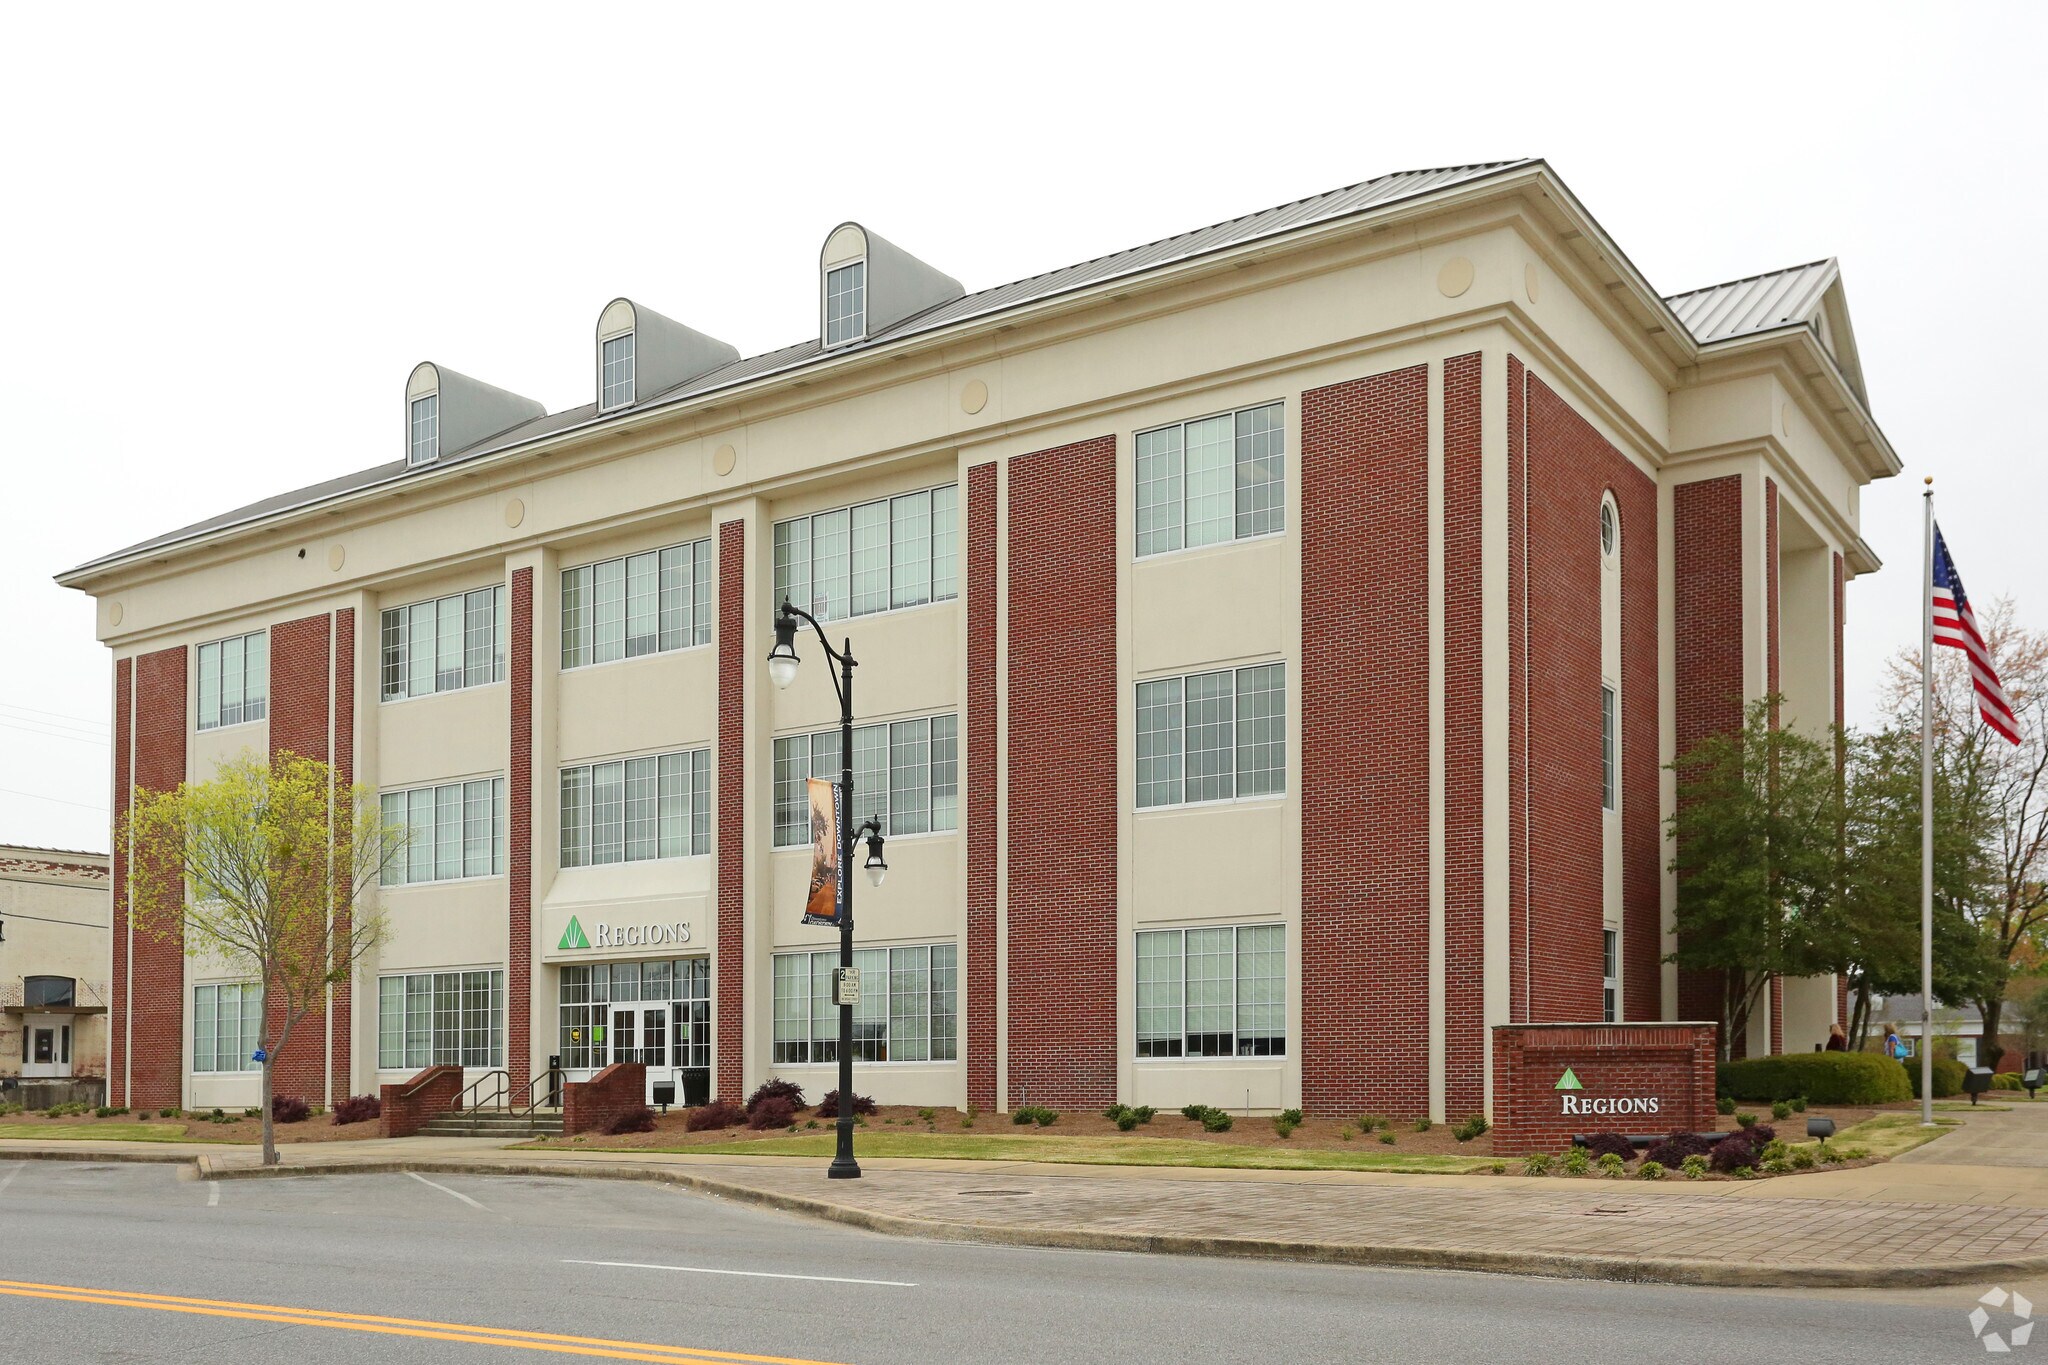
[549, 1076]
[502, 1079]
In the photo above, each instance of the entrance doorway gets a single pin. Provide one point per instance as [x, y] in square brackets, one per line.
[45, 1047]
[655, 1013]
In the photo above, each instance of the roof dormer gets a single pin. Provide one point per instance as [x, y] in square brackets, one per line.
[640, 354]
[446, 411]
[867, 285]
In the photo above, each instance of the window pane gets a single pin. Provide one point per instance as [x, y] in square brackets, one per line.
[1607, 728]
[945, 1002]
[1261, 471]
[1159, 994]
[1159, 491]
[390, 1022]
[945, 542]
[793, 563]
[642, 809]
[1211, 480]
[792, 1007]
[643, 604]
[498, 825]
[502, 628]
[910, 769]
[870, 558]
[609, 599]
[476, 829]
[204, 1028]
[870, 775]
[256, 676]
[448, 645]
[945, 772]
[419, 1019]
[824, 1014]
[607, 812]
[479, 629]
[209, 686]
[675, 805]
[675, 597]
[420, 638]
[392, 808]
[576, 617]
[871, 1015]
[909, 1004]
[231, 681]
[1262, 730]
[845, 303]
[419, 854]
[448, 832]
[829, 547]
[618, 372]
[1211, 971]
[700, 593]
[792, 767]
[1159, 743]
[575, 817]
[252, 1026]
[391, 664]
[910, 550]
[1261, 992]
[700, 802]
[1211, 717]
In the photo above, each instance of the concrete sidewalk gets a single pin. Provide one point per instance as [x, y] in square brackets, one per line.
[1971, 1207]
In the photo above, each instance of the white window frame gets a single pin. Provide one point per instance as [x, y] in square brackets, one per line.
[259, 705]
[879, 739]
[1610, 973]
[577, 848]
[581, 584]
[249, 1036]
[435, 798]
[1236, 673]
[630, 384]
[794, 538]
[583, 1000]
[413, 444]
[1610, 747]
[1177, 477]
[486, 671]
[1237, 1005]
[860, 332]
[818, 1046]
[494, 1024]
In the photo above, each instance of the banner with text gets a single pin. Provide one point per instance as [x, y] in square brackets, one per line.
[826, 902]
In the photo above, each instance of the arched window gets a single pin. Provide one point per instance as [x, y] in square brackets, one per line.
[1607, 528]
[45, 992]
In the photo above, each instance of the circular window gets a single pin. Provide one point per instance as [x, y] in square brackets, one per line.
[1606, 528]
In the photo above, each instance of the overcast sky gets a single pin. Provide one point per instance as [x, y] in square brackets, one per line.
[228, 235]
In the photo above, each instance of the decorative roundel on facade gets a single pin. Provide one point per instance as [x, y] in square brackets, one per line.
[974, 397]
[515, 512]
[336, 557]
[1606, 528]
[114, 613]
[723, 459]
[1455, 277]
[1529, 280]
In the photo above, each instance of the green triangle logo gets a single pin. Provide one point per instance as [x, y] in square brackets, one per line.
[572, 937]
[1568, 1081]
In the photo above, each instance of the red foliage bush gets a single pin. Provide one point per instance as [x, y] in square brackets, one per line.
[1600, 1144]
[358, 1109]
[717, 1114]
[288, 1109]
[828, 1108]
[1731, 1153]
[777, 1090]
[639, 1120]
[773, 1112]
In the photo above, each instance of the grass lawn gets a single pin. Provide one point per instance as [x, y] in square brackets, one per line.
[1890, 1135]
[95, 1132]
[1093, 1152]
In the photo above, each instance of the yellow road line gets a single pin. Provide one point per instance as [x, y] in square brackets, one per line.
[599, 1347]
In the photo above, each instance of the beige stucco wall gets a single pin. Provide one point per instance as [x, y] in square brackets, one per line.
[57, 925]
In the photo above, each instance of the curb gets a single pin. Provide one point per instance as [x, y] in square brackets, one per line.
[1557, 1266]
[146, 1158]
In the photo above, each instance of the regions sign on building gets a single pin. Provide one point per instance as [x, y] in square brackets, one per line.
[1553, 1080]
[604, 934]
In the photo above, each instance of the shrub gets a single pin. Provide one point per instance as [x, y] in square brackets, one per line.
[1744, 1173]
[2007, 1080]
[1802, 1158]
[358, 1109]
[1115, 1112]
[1948, 1077]
[776, 1111]
[1724, 1105]
[1778, 1165]
[1284, 1126]
[717, 1114]
[1499, 1168]
[1650, 1170]
[1126, 1119]
[105, 1111]
[1368, 1122]
[1536, 1163]
[1673, 1150]
[1035, 1113]
[1821, 1077]
[1291, 1115]
[1731, 1152]
[288, 1109]
[639, 1120]
[1216, 1121]
[1831, 1155]
[928, 1115]
[1745, 1120]
[1194, 1111]
[1773, 1150]
[1602, 1144]
[1577, 1160]
[1471, 1128]
[1422, 1125]
[828, 1108]
[1144, 1113]
[167, 1113]
[1387, 1137]
[776, 1089]
[1693, 1167]
[1781, 1109]
[1611, 1164]
[142, 1116]
[1761, 1134]
[1799, 1104]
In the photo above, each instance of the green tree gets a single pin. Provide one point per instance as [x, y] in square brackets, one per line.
[269, 868]
[1758, 833]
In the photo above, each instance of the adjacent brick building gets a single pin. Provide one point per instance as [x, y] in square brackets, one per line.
[1271, 640]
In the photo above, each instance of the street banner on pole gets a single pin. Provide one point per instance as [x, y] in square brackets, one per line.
[826, 902]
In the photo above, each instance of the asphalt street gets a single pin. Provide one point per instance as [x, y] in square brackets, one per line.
[113, 1263]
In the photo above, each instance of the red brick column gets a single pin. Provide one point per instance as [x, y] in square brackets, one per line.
[122, 1003]
[1063, 700]
[300, 669]
[1365, 786]
[156, 973]
[1841, 982]
[980, 1022]
[406, 1107]
[1518, 694]
[728, 1035]
[519, 836]
[1619, 1067]
[592, 1106]
[340, 1024]
[1464, 745]
[1777, 1032]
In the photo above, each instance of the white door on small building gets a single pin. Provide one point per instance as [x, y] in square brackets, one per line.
[45, 1046]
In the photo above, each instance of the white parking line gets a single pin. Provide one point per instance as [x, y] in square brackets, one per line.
[8, 1179]
[458, 1194]
[213, 1194]
[751, 1274]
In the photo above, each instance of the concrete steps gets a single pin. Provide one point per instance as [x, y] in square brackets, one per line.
[486, 1123]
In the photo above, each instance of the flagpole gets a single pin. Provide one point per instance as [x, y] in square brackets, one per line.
[1927, 811]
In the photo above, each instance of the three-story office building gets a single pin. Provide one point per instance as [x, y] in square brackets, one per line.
[1271, 639]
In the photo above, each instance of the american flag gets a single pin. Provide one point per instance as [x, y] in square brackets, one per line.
[1955, 624]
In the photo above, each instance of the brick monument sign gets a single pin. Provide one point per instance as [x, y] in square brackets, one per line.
[1553, 1080]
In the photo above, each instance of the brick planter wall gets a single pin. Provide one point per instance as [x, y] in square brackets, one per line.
[1672, 1063]
[591, 1106]
[408, 1105]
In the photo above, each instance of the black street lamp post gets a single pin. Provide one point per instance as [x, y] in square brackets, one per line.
[782, 666]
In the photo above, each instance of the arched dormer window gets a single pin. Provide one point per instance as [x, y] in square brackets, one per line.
[423, 417]
[866, 286]
[846, 286]
[615, 357]
[446, 411]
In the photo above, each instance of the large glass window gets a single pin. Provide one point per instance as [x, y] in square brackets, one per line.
[441, 1019]
[1212, 736]
[846, 303]
[589, 994]
[48, 991]
[633, 809]
[1610, 982]
[908, 1010]
[1211, 480]
[617, 388]
[424, 444]
[1607, 735]
[1212, 992]
[854, 561]
[648, 603]
[234, 680]
[227, 1026]
[443, 645]
[456, 830]
[906, 773]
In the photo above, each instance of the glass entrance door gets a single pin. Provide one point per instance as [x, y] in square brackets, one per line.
[45, 1048]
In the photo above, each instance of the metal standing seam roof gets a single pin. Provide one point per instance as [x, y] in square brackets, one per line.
[1711, 314]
